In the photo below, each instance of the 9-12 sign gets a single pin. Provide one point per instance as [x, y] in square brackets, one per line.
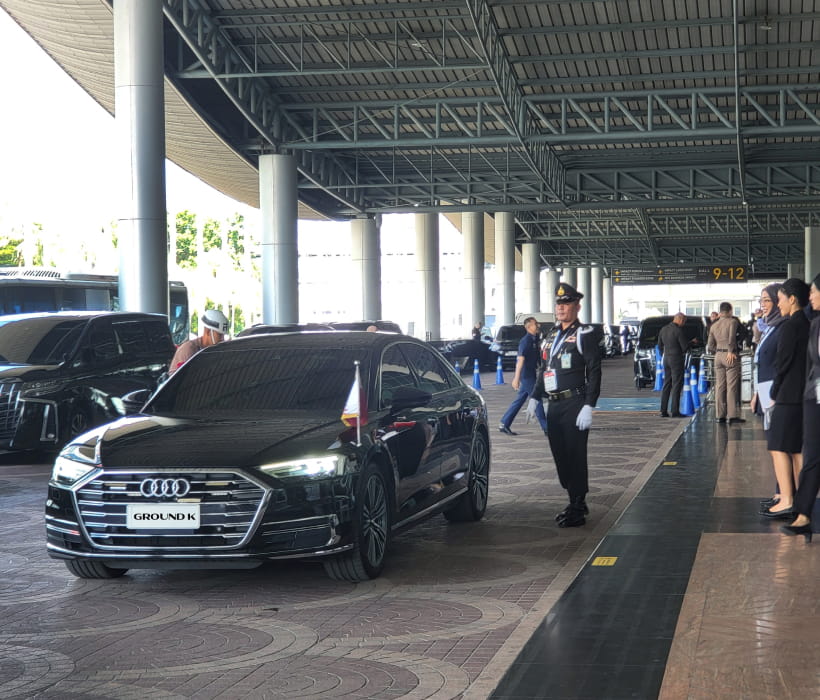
[722, 273]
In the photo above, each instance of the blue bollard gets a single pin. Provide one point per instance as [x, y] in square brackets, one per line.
[703, 385]
[499, 372]
[658, 370]
[476, 376]
[457, 367]
[693, 387]
[686, 407]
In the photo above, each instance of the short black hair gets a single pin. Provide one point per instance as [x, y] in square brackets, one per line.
[816, 281]
[797, 288]
[725, 306]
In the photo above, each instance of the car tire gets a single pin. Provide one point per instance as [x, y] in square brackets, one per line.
[78, 422]
[372, 524]
[472, 504]
[83, 568]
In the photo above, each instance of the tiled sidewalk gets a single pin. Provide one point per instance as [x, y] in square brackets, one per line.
[450, 614]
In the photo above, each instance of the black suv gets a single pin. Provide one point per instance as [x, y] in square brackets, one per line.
[506, 343]
[695, 331]
[62, 373]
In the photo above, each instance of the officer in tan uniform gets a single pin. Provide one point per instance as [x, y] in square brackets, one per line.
[723, 343]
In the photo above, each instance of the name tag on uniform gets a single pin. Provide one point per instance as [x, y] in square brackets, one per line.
[550, 381]
[566, 361]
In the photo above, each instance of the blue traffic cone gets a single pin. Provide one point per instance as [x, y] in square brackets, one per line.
[686, 406]
[476, 376]
[658, 370]
[457, 367]
[693, 387]
[703, 385]
[499, 372]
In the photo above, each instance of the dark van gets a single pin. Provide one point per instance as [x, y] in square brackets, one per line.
[694, 329]
[63, 373]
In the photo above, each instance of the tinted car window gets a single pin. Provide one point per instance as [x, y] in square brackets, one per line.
[103, 341]
[156, 338]
[431, 373]
[254, 380]
[131, 337]
[511, 333]
[395, 373]
[42, 342]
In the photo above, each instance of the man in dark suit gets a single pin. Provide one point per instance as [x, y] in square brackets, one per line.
[673, 346]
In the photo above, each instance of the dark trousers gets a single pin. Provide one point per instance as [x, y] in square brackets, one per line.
[672, 383]
[524, 392]
[569, 446]
[810, 473]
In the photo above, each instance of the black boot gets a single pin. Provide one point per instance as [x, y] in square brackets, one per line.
[576, 509]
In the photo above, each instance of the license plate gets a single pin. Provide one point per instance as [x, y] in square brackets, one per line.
[162, 516]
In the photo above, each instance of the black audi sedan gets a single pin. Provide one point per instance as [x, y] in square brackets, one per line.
[313, 445]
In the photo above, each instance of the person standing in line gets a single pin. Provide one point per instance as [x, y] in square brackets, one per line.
[673, 346]
[810, 473]
[569, 378]
[785, 436]
[214, 329]
[523, 381]
[722, 343]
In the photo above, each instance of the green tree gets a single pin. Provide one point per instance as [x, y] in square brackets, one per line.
[186, 239]
[211, 236]
[11, 252]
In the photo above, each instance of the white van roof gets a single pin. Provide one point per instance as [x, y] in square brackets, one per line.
[540, 316]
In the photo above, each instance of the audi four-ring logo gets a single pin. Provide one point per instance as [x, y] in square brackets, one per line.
[164, 487]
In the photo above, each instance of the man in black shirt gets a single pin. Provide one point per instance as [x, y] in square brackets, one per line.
[569, 378]
[673, 346]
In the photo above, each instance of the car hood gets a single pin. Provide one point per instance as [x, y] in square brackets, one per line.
[156, 441]
[10, 370]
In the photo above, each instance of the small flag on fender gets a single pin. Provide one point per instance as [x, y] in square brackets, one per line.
[354, 413]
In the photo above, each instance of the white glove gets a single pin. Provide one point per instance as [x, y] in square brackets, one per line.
[532, 404]
[584, 419]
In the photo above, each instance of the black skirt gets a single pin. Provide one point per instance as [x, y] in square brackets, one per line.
[785, 433]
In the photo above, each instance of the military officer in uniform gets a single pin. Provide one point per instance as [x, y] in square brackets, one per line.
[569, 380]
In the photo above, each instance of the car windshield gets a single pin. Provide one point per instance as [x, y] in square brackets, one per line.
[39, 341]
[511, 333]
[692, 328]
[261, 379]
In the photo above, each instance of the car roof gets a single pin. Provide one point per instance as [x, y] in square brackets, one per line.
[79, 315]
[308, 339]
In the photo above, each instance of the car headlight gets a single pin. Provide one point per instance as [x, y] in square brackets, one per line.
[71, 466]
[314, 466]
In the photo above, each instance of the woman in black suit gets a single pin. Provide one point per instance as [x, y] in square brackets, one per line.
[785, 435]
[810, 474]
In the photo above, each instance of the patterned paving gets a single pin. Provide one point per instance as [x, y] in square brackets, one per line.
[451, 612]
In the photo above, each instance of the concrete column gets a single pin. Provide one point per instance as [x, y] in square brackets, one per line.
[812, 254]
[583, 286]
[280, 251]
[140, 126]
[472, 229]
[796, 270]
[427, 254]
[596, 294]
[609, 301]
[570, 276]
[531, 258]
[505, 267]
[551, 283]
[366, 258]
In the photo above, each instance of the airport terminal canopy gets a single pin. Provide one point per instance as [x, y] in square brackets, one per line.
[635, 134]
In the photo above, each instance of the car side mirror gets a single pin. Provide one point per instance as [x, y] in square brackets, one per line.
[133, 401]
[409, 397]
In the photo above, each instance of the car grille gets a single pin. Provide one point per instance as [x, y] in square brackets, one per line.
[9, 391]
[229, 505]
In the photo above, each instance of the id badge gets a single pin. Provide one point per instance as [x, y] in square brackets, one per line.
[550, 381]
[566, 361]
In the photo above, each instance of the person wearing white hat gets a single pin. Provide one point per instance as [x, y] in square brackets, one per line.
[214, 329]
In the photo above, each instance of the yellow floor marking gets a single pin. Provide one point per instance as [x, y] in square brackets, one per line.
[604, 561]
[669, 464]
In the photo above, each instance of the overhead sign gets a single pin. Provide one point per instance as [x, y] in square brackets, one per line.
[679, 275]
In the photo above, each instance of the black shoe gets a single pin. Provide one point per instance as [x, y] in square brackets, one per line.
[768, 503]
[664, 414]
[720, 420]
[504, 429]
[804, 530]
[575, 518]
[546, 433]
[677, 415]
[787, 514]
[736, 420]
[582, 506]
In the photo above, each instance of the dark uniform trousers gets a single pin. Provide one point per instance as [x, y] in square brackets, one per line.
[673, 378]
[569, 445]
[810, 473]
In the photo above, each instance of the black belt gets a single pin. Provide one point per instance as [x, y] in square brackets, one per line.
[723, 350]
[566, 393]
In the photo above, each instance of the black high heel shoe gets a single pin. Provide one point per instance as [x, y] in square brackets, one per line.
[785, 514]
[804, 530]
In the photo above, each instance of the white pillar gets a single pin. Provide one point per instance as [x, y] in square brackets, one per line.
[427, 254]
[812, 254]
[570, 276]
[472, 228]
[505, 267]
[609, 301]
[596, 293]
[531, 259]
[139, 74]
[551, 283]
[366, 258]
[586, 302]
[280, 251]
